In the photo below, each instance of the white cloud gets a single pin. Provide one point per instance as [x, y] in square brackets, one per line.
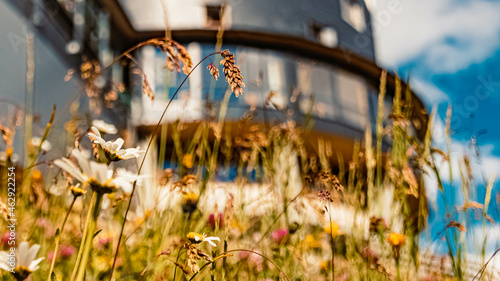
[450, 35]
[491, 232]
[428, 93]
[477, 234]
[483, 168]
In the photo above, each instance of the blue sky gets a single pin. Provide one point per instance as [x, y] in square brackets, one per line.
[451, 51]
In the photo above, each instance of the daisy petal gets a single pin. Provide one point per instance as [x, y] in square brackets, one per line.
[211, 239]
[23, 254]
[71, 169]
[34, 264]
[83, 162]
[31, 254]
[119, 143]
[99, 171]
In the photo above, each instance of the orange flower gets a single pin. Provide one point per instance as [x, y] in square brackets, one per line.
[37, 175]
[396, 240]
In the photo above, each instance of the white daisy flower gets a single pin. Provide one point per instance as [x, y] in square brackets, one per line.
[112, 149]
[104, 127]
[46, 146]
[126, 179]
[97, 175]
[151, 197]
[196, 238]
[24, 262]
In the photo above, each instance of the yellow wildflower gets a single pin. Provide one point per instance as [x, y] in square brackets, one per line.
[332, 228]
[325, 265]
[187, 161]
[311, 242]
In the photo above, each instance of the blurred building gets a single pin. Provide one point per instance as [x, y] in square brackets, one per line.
[316, 56]
[304, 51]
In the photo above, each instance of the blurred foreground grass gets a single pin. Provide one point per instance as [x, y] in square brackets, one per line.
[292, 211]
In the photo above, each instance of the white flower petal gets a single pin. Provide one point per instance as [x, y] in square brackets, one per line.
[34, 264]
[96, 132]
[130, 153]
[119, 143]
[31, 254]
[4, 259]
[23, 254]
[101, 142]
[46, 145]
[124, 183]
[71, 169]
[99, 171]
[109, 174]
[35, 141]
[105, 202]
[104, 127]
[210, 239]
[83, 162]
[93, 137]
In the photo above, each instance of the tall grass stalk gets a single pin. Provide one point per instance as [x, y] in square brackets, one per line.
[144, 158]
[96, 208]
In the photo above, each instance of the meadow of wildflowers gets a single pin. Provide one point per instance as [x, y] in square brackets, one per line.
[106, 211]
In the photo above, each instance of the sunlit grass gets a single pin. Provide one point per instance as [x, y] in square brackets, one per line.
[287, 214]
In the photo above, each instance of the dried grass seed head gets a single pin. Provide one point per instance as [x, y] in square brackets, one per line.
[232, 73]
[214, 71]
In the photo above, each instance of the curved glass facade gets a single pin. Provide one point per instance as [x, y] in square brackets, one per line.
[338, 99]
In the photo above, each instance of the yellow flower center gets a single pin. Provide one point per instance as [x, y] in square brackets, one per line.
[77, 191]
[21, 272]
[107, 187]
[195, 238]
[189, 202]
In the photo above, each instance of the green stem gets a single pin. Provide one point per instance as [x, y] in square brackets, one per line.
[225, 254]
[58, 239]
[176, 262]
[96, 208]
[84, 237]
[398, 277]
[332, 245]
